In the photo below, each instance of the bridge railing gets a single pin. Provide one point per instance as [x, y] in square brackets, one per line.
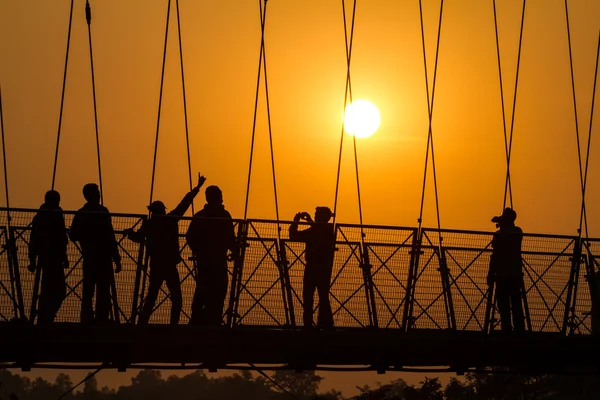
[384, 277]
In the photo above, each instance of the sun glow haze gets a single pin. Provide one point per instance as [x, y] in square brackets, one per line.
[361, 118]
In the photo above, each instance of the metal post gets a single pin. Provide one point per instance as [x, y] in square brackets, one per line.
[415, 255]
[138, 279]
[575, 264]
[285, 269]
[445, 277]
[236, 279]
[368, 279]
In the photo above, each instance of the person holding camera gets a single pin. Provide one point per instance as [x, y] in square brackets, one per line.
[506, 271]
[319, 254]
[161, 233]
[48, 253]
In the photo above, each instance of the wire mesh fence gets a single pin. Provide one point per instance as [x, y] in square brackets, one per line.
[385, 277]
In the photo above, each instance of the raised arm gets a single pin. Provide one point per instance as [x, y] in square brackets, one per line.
[186, 202]
[295, 234]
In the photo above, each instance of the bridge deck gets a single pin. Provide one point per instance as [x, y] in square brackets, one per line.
[130, 346]
[400, 297]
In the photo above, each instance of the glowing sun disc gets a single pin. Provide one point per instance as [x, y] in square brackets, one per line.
[361, 118]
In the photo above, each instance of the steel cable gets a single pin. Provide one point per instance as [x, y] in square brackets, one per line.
[160, 96]
[62, 97]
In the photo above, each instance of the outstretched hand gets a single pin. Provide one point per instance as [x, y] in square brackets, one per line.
[201, 180]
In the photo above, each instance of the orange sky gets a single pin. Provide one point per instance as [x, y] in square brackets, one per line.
[306, 61]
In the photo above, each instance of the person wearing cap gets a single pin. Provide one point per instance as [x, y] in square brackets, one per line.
[92, 228]
[506, 271]
[48, 253]
[210, 235]
[319, 254]
[161, 233]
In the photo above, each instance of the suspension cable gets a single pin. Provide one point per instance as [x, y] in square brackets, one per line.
[260, 59]
[264, 56]
[88, 377]
[160, 97]
[4, 158]
[514, 107]
[274, 382]
[430, 104]
[185, 115]
[88, 17]
[347, 93]
[502, 101]
[576, 115]
[62, 97]
[587, 157]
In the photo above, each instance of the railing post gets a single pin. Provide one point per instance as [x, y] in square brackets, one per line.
[415, 256]
[593, 279]
[569, 302]
[35, 295]
[236, 278]
[15, 276]
[368, 280]
[445, 277]
[287, 285]
[138, 281]
[489, 310]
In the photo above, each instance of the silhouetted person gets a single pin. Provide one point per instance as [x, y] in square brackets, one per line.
[92, 228]
[161, 233]
[507, 272]
[319, 254]
[209, 236]
[48, 252]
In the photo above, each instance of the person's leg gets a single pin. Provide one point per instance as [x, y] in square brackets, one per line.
[174, 286]
[516, 302]
[199, 303]
[220, 293]
[43, 309]
[154, 283]
[308, 292]
[503, 304]
[103, 280]
[325, 319]
[89, 284]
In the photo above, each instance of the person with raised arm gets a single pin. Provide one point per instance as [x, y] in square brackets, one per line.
[161, 234]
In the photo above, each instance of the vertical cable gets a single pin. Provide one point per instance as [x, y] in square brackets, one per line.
[4, 157]
[264, 56]
[162, 80]
[582, 216]
[430, 106]
[260, 59]
[502, 101]
[88, 17]
[62, 97]
[347, 92]
[514, 107]
[185, 115]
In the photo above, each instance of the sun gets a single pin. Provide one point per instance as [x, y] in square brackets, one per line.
[361, 118]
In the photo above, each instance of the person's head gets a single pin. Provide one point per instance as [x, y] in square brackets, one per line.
[214, 195]
[323, 214]
[52, 198]
[508, 217]
[157, 207]
[91, 193]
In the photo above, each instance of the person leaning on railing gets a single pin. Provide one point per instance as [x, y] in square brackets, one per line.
[161, 233]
